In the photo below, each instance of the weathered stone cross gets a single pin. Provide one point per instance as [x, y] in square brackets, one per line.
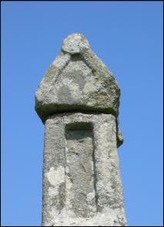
[78, 101]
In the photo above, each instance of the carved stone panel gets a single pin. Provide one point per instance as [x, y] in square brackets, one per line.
[81, 171]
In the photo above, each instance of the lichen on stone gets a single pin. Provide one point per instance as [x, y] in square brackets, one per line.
[90, 84]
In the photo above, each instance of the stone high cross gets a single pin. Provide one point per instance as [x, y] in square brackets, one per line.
[78, 101]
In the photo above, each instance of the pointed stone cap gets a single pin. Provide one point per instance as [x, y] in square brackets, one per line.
[77, 81]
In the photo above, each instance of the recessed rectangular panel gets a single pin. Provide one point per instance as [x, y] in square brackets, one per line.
[80, 168]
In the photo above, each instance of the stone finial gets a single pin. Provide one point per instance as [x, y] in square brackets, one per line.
[77, 80]
[75, 44]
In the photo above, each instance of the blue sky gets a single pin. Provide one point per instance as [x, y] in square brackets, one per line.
[127, 36]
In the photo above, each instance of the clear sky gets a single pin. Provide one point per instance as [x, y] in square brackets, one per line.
[127, 36]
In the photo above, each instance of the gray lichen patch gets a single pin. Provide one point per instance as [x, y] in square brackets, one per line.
[55, 177]
[64, 94]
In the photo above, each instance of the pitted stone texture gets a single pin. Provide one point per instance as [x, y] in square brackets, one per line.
[80, 169]
[77, 80]
[82, 185]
